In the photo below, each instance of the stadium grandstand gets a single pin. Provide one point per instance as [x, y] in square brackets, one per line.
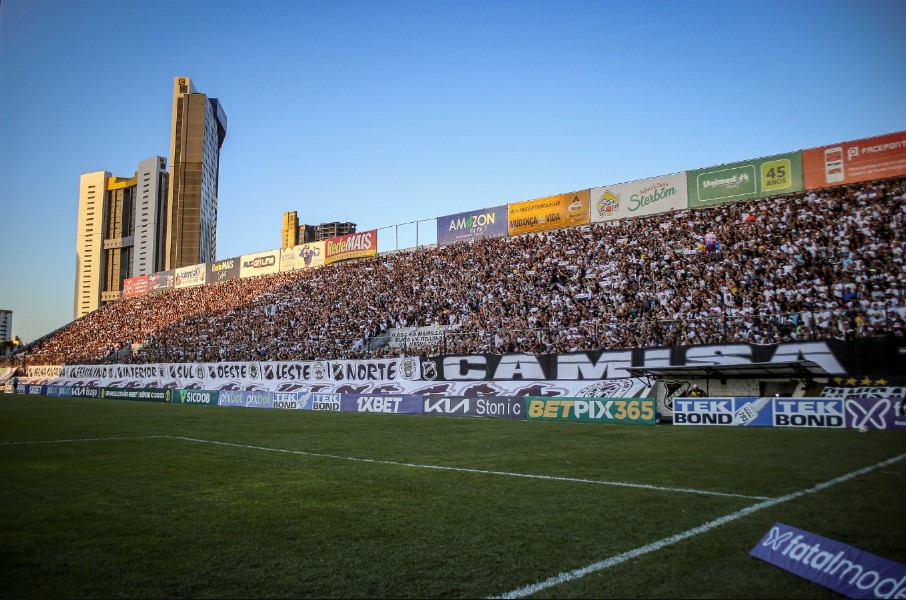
[825, 264]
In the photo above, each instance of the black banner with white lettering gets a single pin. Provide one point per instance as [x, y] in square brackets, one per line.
[871, 357]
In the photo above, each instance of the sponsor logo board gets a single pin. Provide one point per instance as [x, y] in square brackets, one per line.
[354, 245]
[484, 223]
[497, 407]
[553, 212]
[840, 567]
[643, 197]
[638, 411]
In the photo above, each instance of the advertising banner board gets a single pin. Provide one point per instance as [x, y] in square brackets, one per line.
[135, 286]
[852, 162]
[142, 394]
[159, 282]
[476, 224]
[637, 198]
[303, 256]
[354, 245]
[408, 404]
[223, 270]
[840, 567]
[553, 212]
[633, 411]
[497, 407]
[191, 276]
[259, 263]
[734, 182]
[194, 397]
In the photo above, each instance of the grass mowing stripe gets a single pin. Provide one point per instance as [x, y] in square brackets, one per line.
[655, 546]
[104, 439]
[476, 471]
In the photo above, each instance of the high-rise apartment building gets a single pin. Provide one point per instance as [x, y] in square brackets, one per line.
[294, 233]
[290, 232]
[119, 231]
[6, 325]
[198, 129]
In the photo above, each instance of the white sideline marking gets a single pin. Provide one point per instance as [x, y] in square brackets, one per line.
[655, 546]
[477, 471]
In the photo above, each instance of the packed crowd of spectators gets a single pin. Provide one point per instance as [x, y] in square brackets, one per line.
[816, 265]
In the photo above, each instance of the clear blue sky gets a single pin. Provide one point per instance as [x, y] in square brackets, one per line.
[387, 112]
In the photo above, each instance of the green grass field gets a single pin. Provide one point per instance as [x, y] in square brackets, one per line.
[107, 499]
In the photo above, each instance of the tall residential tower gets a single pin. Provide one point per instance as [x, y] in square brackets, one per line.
[119, 231]
[198, 129]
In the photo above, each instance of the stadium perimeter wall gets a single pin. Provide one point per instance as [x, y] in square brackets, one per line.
[868, 368]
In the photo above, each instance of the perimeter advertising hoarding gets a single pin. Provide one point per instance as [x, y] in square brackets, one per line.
[851, 162]
[223, 270]
[472, 225]
[259, 263]
[553, 212]
[303, 256]
[354, 245]
[637, 198]
[498, 407]
[631, 411]
[143, 394]
[409, 404]
[190, 276]
[194, 397]
[824, 412]
[734, 182]
[162, 281]
[135, 286]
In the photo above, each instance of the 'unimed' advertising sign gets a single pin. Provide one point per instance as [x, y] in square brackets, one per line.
[734, 182]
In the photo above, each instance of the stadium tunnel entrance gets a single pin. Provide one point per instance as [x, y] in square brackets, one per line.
[791, 379]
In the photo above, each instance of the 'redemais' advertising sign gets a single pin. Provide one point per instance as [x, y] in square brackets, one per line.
[553, 212]
[637, 198]
[851, 162]
[223, 270]
[473, 225]
[354, 245]
[259, 263]
[135, 286]
[303, 256]
[634, 411]
[190, 276]
[734, 182]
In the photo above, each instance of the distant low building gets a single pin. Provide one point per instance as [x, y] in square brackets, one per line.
[294, 233]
